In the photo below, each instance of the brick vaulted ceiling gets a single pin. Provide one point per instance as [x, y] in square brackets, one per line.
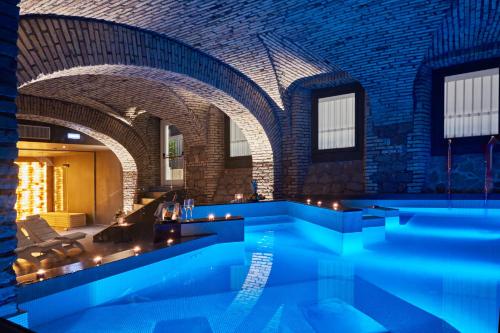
[252, 36]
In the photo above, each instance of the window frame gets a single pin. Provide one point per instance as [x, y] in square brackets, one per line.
[339, 154]
[237, 161]
[461, 145]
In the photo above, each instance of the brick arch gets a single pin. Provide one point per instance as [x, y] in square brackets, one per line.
[118, 137]
[459, 39]
[127, 98]
[68, 47]
[265, 155]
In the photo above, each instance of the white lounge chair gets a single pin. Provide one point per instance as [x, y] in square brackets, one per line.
[26, 247]
[41, 231]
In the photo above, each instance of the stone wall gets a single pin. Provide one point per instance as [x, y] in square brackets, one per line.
[58, 49]
[467, 174]
[388, 48]
[9, 15]
[334, 178]
[233, 181]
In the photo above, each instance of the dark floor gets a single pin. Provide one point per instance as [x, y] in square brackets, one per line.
[56, 264]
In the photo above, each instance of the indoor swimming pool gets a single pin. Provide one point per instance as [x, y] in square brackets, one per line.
[437, 271]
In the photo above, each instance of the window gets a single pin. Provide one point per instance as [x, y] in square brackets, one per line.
[238, 153]
[337, 123]
[172, 155]
[465, 106]
[471, 104]
[336, 120]
[237, 141]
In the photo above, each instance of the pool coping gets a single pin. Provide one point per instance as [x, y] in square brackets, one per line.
[32, 288]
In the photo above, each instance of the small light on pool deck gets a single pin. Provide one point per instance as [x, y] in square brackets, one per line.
[137, 250]
[228, 216]
[172, 231]
[320, 203]
[170, 241]
[335, 205]
[40, 274]
[211, 217]
[98, 260]
[308, 201]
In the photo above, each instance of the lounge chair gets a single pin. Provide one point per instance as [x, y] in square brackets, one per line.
[26, 247]
[41, 231]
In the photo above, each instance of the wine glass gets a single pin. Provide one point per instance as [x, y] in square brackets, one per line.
[191, 206]
[185, 206]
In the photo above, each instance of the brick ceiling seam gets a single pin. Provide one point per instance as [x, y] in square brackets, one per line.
[292, 62]
[122, 94]
[221, 100]
[33, 35]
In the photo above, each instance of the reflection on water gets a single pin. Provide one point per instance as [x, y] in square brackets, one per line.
[282, 281]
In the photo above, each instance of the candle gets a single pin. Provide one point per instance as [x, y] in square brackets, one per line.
[319, 203]
[211, 217]
[40, 274]
[308, 201]
[228, 216]
[170, 241]
[335, 205]
[98, 260]
[137, 250]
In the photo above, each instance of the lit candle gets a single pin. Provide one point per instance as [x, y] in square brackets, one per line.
[98, 260]
[40, 274]
[137, 250]
[170, 241]
[319, 203]
[308, 201]
[172, 231]
[228, 216]
[211, 217]
[335, 205]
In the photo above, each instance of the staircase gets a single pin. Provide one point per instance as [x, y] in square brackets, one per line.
[147, 198]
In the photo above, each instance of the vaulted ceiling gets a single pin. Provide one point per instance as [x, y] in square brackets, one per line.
[272, 42]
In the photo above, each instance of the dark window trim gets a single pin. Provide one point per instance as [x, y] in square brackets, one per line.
[339, 154]
[468, 145]
[233, 162]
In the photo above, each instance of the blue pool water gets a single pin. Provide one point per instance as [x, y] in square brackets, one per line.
[437, 272]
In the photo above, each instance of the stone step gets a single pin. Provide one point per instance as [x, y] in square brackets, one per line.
[154, 194]
[373, 221]
[145, 201]
[381, 211]
[137, 206]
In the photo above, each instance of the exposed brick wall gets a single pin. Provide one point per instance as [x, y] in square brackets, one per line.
[470, 32]
[128, 146]
[152, 56]
[9, 16]
[389, 48]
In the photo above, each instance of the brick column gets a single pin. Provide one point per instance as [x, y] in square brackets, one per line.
[215, 151]
[9, 18]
